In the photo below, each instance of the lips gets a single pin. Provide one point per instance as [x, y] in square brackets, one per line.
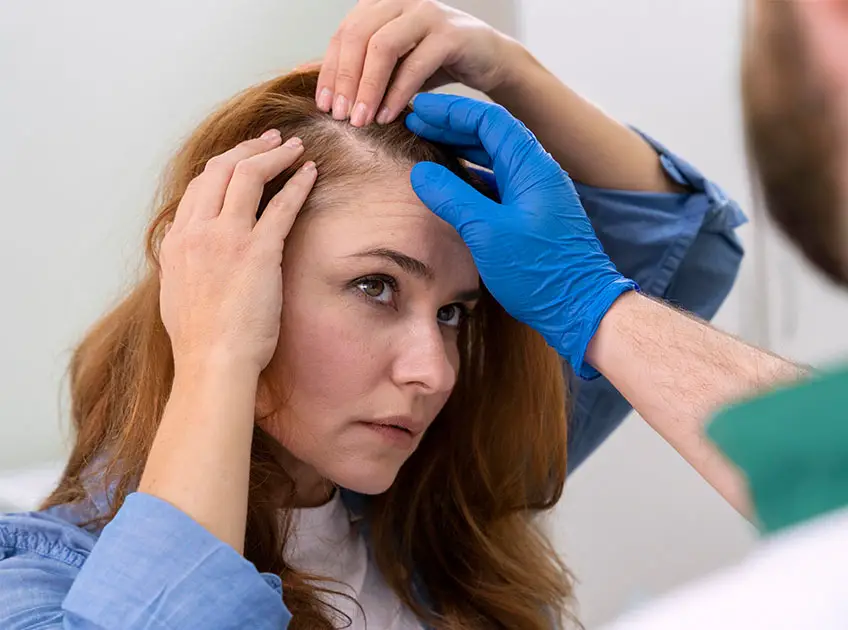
[397, 432]
[404, 423]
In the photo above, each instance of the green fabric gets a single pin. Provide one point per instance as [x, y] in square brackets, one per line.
[792, 445]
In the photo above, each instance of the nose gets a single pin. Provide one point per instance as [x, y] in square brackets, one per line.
[423, 360]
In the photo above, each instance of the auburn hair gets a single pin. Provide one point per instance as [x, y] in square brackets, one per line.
[459, 522]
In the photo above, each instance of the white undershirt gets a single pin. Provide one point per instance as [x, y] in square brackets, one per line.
[324, 542]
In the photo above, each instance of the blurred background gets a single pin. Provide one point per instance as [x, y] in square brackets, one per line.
[97, 95]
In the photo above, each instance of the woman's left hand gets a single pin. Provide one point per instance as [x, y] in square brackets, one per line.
[387, 50]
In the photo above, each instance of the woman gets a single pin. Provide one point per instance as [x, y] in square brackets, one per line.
[382, 319]
[461, 554]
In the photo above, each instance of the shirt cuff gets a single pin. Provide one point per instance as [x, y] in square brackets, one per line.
[648, 234]
[155, 567]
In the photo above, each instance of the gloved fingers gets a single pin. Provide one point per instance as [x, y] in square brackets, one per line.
[448, 196]
[512, 147]
[464, 145]
[485, 174]
[444, 135]
[478, 157]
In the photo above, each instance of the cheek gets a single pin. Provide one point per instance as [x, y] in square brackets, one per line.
[329, 357]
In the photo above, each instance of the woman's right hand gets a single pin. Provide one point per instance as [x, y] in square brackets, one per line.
[221, 277]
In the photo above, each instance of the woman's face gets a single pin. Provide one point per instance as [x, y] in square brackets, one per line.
[374, 292]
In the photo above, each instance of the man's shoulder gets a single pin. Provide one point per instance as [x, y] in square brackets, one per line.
[792, 446]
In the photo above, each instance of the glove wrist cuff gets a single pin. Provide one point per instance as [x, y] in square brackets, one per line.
[573, 343]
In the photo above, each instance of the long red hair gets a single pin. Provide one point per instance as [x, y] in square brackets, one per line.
[460, 517]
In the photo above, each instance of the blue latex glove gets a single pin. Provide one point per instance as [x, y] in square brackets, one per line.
[536, 250]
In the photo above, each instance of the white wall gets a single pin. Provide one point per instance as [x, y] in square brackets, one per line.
[98, 93]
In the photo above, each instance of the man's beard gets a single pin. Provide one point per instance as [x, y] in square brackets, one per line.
[793, 140]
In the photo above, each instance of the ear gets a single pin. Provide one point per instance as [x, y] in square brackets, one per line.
[825, 27]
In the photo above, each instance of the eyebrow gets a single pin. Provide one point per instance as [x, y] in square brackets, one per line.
[414, 267]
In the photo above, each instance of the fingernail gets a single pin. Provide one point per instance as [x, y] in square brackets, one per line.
[384, 116]
[325, 100]
[271, 134]
[309, 167]
[340, 108]
[360, 115]
[294, 142]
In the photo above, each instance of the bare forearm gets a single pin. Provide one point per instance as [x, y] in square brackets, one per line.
[594, 148]
[677, 371]
[200, 460]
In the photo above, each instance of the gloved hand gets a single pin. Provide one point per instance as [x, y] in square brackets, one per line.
[536, 250]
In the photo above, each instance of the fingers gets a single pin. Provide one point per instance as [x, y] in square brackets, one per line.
[459, 114]
[412, 76]
[475, 156]
[450, 198]
[466, 146]
[444, 135]
[327, 76]
[362, 60]
[249, 177]
[279, 216]
[352, 43]
[204, 196]
[487, 176]
[507, 141]
[388, 45]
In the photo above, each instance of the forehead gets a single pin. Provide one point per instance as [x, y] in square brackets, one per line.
[384, 211]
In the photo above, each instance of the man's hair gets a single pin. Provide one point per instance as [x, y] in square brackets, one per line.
[794, 140]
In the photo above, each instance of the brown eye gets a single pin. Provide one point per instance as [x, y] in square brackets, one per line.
[372, 287]
[381, 289]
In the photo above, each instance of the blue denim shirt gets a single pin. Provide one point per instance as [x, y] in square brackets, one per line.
[154, 568]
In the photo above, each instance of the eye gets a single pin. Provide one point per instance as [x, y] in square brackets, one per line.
[453, 315]
[377, 288]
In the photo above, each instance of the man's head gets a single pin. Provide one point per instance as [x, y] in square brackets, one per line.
[796, 109]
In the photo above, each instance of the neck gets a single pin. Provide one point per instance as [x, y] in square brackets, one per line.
[311, 489]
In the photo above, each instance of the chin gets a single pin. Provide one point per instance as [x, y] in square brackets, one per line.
[365, 479]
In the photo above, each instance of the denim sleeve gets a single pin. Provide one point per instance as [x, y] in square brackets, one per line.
[153, 567]
[680, 247]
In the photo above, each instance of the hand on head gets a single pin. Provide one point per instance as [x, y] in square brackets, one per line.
[216, 256]
[385, 52]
